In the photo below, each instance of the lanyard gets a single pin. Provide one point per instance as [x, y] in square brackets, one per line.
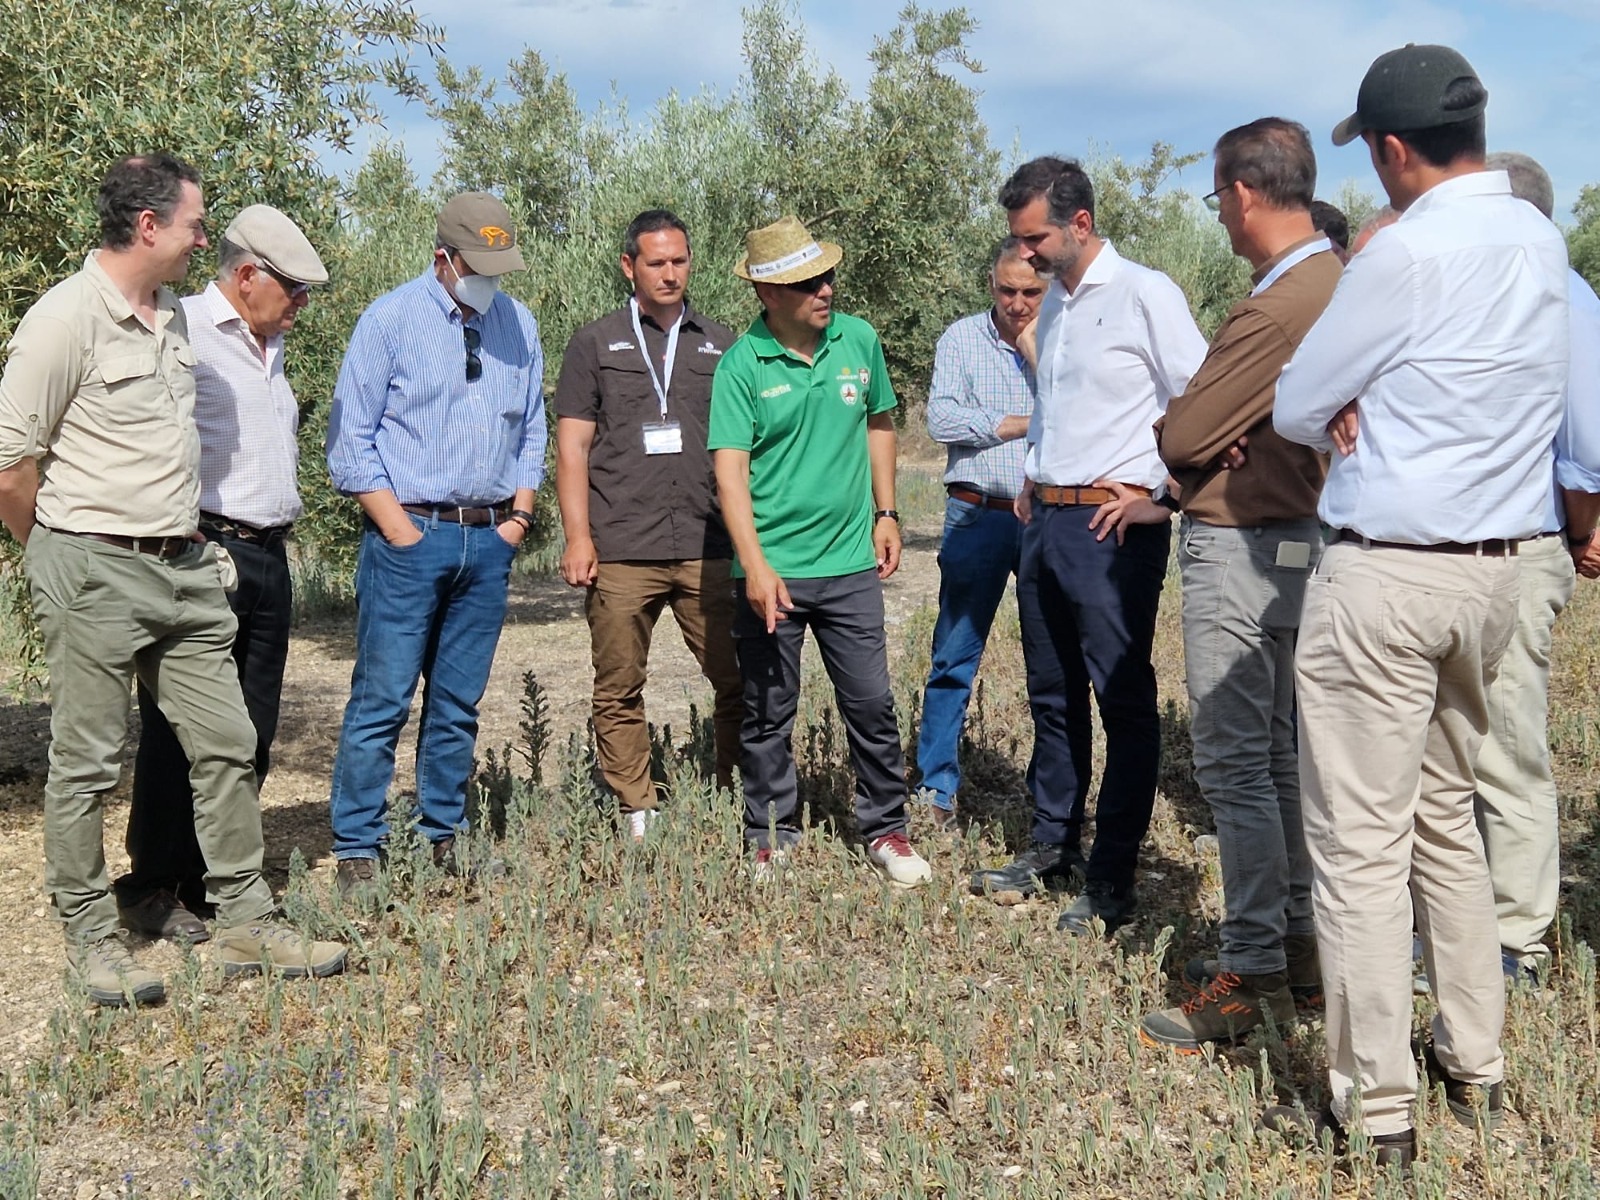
[672, 351]
[1292, 260]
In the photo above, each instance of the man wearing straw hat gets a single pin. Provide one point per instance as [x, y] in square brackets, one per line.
[803, 442]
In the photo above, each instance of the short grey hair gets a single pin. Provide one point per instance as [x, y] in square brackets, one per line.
[1529, 181]
[1006, 247]
[231, 256]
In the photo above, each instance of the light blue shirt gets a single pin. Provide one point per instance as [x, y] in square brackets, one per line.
[1450, 329]
[406, 418]
[978, 380]
[1578, 439]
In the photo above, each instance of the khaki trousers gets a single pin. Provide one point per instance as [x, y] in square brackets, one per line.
[623, 607]
[109, 615]
[1397, 650]
[1516, 801]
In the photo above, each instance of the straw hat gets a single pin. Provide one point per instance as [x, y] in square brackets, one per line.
[785, 252]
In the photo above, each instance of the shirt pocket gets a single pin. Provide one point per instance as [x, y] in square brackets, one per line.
[626, 393]
[136, 391]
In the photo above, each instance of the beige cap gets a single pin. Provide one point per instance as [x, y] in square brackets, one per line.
[278, 242]
[478, 226]
[784, 252]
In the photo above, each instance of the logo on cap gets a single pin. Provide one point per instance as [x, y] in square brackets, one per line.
[494, 237]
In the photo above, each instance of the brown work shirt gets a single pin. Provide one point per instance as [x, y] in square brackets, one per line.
[105, 404]
[647, 507]
[1231, 396]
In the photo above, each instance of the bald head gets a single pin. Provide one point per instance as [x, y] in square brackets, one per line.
[1385, 216]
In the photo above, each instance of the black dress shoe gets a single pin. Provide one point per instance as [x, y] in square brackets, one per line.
[1102, 900]
[1399, 1149]
[160, 915]
[1463, 1098]
[1042, 867]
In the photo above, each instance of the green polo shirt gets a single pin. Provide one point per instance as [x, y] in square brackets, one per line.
[804, 426]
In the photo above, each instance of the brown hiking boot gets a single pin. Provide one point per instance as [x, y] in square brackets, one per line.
[113, 976]
[1304, 1131]
[162, 915]
[1229, 1007]
[1305, 970]
[245, 949]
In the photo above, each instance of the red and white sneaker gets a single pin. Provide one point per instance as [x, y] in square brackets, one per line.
[897, 862]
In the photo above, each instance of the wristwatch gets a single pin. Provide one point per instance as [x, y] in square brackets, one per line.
[892, 514]
[1578, 542]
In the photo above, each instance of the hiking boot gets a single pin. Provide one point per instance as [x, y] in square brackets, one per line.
[1100, 900]
[1399, 1149]
[1229, 1007]
[357, 878]
[942, 819]
[897, 862]
[444, 857]
[246, 948]
[112, 976]
[162, 915]
[1465, 1098]
[1042, 867]
[765, 866]
[1305, 970]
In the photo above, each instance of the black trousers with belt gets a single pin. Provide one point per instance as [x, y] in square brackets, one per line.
[162, 848]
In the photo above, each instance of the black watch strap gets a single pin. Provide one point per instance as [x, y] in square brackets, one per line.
[892, 514]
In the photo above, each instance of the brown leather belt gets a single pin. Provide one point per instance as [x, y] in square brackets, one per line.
[973, 496]
[160, 547]
[1503, 547]
[255, 535]
[1048, 493]
[495, 514]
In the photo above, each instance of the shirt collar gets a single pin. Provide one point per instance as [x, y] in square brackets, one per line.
[442, 298]
[1462, 187]
[117, 305]
[1104, 267]
[1265, 268]
[691, 318]
[219, 310]
[767, 346]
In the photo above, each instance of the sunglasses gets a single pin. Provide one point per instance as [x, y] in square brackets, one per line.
[474, 341]
[813, 285]
[292, 288]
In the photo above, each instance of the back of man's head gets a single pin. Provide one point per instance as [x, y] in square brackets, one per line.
[1062, 182]
[1529, 181]
[1273, 158]
[1330, 220]
[139, 183]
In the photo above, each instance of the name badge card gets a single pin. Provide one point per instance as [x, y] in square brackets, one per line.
[663, 437]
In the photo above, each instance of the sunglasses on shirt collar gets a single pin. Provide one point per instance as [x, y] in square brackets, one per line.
[474, 341]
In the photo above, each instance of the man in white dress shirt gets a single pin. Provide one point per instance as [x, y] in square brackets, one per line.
[247, 418]
[1115, 342]
[1438, 373]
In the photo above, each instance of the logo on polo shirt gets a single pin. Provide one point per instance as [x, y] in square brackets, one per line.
[848, 393]
[708, 348]
[866, 377]
[620, 346]
[779, 390]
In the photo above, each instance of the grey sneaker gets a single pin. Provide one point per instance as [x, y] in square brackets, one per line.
[162, 915]
[246, 948]
[112, 975]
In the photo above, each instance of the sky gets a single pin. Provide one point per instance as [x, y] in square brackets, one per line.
[1073, 78]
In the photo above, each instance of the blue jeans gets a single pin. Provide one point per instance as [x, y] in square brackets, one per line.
[431, 610]
[979, 553]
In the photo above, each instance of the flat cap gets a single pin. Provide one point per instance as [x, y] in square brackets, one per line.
[478, 226]
[1409, 89]
[278, 242]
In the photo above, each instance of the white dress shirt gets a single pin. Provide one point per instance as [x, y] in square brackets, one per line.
[1578, 440]
[1450, 329]
[1111, 354]
[247, 416]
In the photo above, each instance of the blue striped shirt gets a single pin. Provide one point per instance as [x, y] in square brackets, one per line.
[977, 380]
[406, 418]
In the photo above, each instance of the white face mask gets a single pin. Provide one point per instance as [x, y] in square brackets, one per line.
[475, 291]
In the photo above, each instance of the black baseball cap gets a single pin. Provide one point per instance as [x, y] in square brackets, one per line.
[1405, 90]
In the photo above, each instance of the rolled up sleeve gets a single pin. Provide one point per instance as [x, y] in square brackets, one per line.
[41, 377]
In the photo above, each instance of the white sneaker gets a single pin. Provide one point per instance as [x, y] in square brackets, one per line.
[639, 823]
[766, 865]
[897, 862]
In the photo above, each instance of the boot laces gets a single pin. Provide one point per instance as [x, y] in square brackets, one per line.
[1212, 993]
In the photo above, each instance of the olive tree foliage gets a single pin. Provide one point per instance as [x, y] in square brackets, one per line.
[256, 93]
[1583, 239]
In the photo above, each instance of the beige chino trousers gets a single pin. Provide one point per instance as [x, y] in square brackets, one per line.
[623, 606]
[1516, 802]
[1397, 650]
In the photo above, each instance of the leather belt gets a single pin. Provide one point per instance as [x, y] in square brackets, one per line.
[491, 514]
[255, 535]
[1048, 493]
[968, 495]
[1502, 547]
[160, 547]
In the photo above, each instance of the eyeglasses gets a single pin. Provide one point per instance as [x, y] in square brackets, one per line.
[474, 341]
[1213, 200]
[292, 288]
[813, 285]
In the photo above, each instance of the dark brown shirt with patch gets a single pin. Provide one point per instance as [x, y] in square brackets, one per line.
[647, 507]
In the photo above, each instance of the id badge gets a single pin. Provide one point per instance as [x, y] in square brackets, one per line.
[663, 437]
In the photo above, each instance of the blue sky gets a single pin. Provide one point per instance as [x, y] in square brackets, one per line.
[1072, 77]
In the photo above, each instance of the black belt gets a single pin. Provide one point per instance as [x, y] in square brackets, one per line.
[971, 495]
[1501, 547]
[488, 514]
[255, 535]
[160, 547]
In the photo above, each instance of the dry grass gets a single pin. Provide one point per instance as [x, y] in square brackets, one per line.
[620, 1021]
